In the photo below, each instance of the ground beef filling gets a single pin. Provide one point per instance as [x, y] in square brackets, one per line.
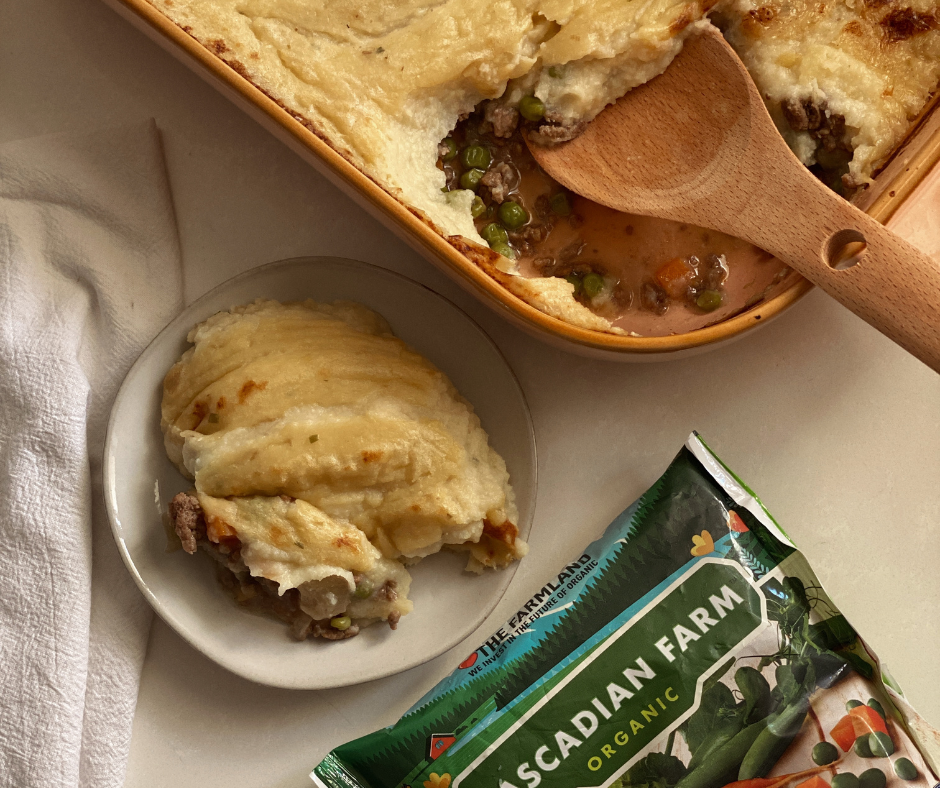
[502, 118]
[543, 127]
[501, 180]
[190, 525]
[258, 593]
[834, 149]
[556, 130]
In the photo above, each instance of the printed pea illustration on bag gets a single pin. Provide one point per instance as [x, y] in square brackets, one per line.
[691, 646]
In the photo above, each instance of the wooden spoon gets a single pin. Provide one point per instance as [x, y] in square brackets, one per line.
[697, 145]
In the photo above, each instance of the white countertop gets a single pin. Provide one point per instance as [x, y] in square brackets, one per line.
[835, 428]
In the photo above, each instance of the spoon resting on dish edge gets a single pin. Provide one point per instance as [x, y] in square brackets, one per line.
[696, 144]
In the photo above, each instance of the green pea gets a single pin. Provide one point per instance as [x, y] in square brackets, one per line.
[845, 780]
[872, 778]
[880, 744]
[853, 704]
[513, 215]
[451, 146]
[862, 750]
[593, 285]
[471, 179]
[495, 234]
[575, 280]
[877, 707]
[504, 249]
[825, 753]
[709, 300]
[364, 588]
[341, 623]
[531, 108]
[477, 207]
[475, 156]
[904, 769]
[559, 204]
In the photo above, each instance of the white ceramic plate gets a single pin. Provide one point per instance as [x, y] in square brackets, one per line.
[139, 482]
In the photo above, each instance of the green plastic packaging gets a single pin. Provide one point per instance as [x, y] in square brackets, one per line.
[691, 646]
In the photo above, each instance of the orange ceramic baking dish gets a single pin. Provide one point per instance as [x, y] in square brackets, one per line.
[893, 184]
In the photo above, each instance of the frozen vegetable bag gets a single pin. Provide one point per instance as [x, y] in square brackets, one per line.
[691, 646]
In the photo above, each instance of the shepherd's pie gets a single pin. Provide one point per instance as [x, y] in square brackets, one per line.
[385, 82]
[326, 455]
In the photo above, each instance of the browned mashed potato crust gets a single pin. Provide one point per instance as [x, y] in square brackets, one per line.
[326, 455]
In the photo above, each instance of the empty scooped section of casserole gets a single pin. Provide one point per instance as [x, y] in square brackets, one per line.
[325, 453]
[590, 265]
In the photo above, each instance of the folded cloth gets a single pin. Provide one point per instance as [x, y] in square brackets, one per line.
[89, 272]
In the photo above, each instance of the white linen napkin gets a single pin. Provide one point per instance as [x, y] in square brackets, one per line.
[89, 272]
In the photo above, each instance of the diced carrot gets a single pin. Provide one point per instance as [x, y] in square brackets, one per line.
[675, 276]
[735, 523]
[844, 733]
[873, 720]
[814, 782]
[218, 530]
[858, 722]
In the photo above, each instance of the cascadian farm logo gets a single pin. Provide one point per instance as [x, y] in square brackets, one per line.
[609, 708]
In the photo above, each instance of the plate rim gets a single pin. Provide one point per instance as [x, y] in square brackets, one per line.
[109, 486]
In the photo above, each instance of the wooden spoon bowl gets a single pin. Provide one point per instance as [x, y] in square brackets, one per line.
[697, 145]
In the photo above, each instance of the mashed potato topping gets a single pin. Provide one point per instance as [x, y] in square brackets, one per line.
[332, 452]
[842, 78]
[386, 81]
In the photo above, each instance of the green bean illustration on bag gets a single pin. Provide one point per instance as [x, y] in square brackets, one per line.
[690, 646]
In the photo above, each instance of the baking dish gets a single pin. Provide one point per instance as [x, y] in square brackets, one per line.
[893, 185]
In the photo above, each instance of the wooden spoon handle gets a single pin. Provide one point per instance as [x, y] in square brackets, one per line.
[893, 286]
